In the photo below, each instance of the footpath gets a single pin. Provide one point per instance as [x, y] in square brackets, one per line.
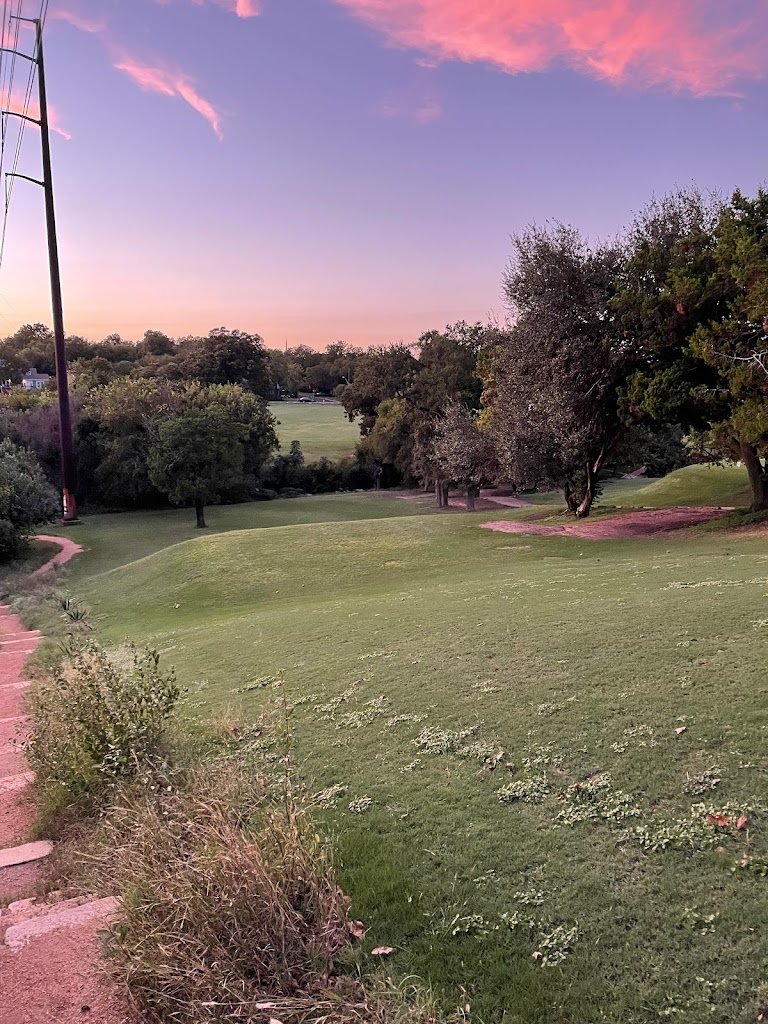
[49, 946]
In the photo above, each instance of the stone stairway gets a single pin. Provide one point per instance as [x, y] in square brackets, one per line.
[49, 951]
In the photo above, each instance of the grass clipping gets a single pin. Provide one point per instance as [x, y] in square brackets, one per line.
[232, 913]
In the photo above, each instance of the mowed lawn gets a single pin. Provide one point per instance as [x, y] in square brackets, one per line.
[322, 429]
[524, 735]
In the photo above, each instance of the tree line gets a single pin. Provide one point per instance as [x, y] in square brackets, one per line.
[651, 348]
[648, 349]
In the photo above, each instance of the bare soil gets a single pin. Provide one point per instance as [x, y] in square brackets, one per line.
[647, 523]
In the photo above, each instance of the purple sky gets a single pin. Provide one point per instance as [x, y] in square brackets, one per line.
[352, 169]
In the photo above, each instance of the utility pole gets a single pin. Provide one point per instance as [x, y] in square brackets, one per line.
[62, 389]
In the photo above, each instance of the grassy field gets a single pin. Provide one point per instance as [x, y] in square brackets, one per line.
[321, 429]
[523, 734]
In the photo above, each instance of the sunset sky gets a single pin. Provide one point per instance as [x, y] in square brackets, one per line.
[315, 170]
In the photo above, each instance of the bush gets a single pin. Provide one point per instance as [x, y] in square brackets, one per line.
[94, 723]
[232, 911]
[26, 498]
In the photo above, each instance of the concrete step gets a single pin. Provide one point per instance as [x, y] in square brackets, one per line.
[60, 916]
[14, 782]
[15, 855]
[20, 684]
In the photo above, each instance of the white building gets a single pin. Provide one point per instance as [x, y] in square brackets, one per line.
[34, 381]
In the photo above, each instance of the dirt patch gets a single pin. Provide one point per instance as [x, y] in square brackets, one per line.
[647, 523]
[57, 980]
[17, 815]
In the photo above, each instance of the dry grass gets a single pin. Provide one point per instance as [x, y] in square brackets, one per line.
[232, 911]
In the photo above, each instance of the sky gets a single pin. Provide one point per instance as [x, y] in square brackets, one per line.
[322, 170]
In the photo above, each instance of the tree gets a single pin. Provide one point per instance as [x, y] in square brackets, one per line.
[462, 450]
[694, 298]
[733, 343]
[196, 457]
[26, 498]
[212, 447]
[156, 343]
[381, 374]
[552, 380]
[227, 357]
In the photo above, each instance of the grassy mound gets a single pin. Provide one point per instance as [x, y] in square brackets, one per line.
[543, 757]
[697, 485]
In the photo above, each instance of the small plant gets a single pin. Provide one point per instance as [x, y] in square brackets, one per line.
[94, 723]
[361, 805]
[434, 740]
[703, 783]
[531, 790]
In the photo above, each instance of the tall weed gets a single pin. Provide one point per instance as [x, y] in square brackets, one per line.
[94, 723]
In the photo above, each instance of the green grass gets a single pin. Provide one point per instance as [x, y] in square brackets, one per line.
[113, 540]
[697, 485]
[37, 554]
[693, 485]
[321, 429]
[568, 656]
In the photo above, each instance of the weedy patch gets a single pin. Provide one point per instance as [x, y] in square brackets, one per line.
[693, 920]
[704, 783]
[531, 790]
[433, 740]
[595, 799]
[367, 715]
[329, 797]
[412, 766]
[485, 753]
[361, 805]
[328, 710]
[704, 826]
[403, 719]
[635, 736]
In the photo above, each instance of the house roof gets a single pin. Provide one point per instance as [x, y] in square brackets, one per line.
[34, 375]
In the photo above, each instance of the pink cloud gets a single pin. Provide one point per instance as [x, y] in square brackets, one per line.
[16, 106]
[171, 83]
[683, 45]
[242, 8]
[78, 20]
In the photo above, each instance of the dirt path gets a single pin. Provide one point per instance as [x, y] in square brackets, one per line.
[68, 550]
[49, 952]
[648, 523]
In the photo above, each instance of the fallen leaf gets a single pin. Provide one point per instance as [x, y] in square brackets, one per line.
[719, 820]
[274, 1020]
[358, 929]
[382, 951]
[681, 730]
[742, 822]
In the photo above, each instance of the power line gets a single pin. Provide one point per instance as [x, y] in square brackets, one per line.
[22, 120]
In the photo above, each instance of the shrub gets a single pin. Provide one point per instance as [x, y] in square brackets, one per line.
[94, 722]
[26, 498]
[232, 910]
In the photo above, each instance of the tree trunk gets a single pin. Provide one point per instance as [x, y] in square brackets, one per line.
[589, 493]
[570, 499]
[758, 478]
[471, 494]
[439, 493]
[200, 512]
[444, 492]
